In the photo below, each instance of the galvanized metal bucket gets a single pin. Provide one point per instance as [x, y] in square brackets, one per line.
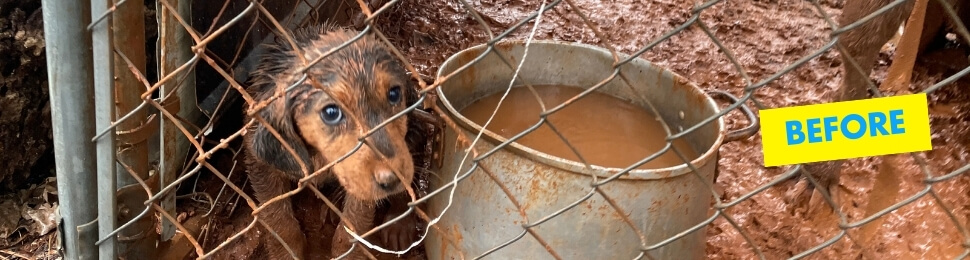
[662, 203]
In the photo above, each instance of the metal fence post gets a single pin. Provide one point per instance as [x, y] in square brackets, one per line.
[174, 49]
[104, 115]
[69, 61]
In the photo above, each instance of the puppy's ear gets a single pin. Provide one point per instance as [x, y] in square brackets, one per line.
[270, 150]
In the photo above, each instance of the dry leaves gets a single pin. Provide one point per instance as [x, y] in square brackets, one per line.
[31, 212]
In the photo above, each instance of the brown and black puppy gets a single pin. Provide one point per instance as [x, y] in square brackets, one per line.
[367, 86]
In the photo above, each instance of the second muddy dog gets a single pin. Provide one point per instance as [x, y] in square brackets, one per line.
[367, 85]
[863, 44]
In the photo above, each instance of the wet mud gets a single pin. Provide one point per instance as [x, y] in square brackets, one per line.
[765, 37]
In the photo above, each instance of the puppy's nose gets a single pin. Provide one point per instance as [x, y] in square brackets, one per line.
[386, 179]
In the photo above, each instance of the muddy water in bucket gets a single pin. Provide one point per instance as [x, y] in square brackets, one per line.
[522, 185]
[597, 125]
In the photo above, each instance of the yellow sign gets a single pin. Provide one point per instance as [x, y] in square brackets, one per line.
[842, 130]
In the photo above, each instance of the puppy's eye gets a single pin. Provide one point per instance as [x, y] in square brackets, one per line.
[331, 114]
[394, 96]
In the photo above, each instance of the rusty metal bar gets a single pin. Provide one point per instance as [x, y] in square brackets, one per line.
[174, 49]
[128, 22]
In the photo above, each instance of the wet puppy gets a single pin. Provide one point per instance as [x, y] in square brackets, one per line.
[367, 86]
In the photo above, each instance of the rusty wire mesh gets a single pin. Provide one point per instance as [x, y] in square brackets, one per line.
[372, 12]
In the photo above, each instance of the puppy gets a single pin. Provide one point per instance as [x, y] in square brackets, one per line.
[367, 85]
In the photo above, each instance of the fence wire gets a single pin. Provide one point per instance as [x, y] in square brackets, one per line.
[203, 149]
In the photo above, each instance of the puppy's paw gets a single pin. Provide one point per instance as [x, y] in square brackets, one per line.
[400, 234]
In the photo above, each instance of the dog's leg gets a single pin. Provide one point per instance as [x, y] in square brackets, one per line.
[862, 44]
[359, 214]
[279, 216]
[400, 234]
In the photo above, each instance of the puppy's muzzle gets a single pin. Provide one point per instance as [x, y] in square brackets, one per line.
[387, 181]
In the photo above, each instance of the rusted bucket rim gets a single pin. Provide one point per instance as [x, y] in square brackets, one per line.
[569, 165]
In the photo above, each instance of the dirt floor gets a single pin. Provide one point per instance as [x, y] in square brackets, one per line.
[766, 36]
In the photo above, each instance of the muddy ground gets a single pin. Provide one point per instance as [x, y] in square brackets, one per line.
[766, 36]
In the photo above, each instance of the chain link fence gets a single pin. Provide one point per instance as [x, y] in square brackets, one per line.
[165, 144]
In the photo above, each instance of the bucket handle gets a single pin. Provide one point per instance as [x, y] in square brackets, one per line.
[743, 133]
